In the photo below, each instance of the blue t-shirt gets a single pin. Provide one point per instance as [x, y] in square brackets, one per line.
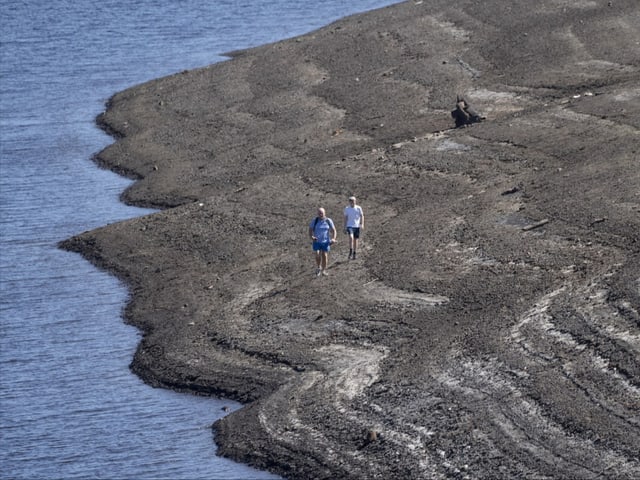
[321, 229]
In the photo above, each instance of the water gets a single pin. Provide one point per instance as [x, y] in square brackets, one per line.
[69, 406]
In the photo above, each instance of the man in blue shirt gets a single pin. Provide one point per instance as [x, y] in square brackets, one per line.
[323, 233]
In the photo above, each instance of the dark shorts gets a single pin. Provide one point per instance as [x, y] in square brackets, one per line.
[321, 246]
[355, 231]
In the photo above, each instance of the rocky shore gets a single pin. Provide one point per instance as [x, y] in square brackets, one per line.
[490, 327]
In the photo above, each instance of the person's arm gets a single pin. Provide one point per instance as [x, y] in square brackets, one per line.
[361, 219]
[344, 222]
[333, 233]
[311, 234]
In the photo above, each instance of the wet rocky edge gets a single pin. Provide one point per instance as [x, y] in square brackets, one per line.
[490, 327]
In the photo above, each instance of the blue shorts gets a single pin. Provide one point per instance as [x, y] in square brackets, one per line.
[321, 246]
[355, 231]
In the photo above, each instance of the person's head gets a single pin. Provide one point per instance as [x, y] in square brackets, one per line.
[321, 212]
[352, 200]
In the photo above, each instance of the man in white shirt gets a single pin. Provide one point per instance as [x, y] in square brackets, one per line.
[353, 223]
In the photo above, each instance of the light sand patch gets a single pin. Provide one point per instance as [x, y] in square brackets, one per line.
[486, 388]
[542, 340]
[448, 145]
[628, 95]
[344, 373]
[395, 298]
[571, 4]
[350, 370]
[491, 103]
[457, 33]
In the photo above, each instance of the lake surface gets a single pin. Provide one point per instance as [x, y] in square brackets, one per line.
[69, 406]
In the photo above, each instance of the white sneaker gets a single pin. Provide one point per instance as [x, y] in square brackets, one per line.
[318, 272]
[324, 272]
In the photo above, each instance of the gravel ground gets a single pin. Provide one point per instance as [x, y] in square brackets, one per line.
[490, 327]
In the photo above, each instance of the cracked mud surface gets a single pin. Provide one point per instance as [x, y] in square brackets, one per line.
[490, 327]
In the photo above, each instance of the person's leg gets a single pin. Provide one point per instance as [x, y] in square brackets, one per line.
[316, 255]
[324, 255]
[355, 234]
[351, 241]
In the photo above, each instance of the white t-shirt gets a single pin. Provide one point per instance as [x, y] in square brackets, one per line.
[354, 216]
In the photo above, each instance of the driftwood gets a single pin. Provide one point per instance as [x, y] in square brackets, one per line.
[535, 225]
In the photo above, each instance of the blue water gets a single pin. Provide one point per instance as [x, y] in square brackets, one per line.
[69, 406]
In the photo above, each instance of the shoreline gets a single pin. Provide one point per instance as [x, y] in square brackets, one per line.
[459, 344]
